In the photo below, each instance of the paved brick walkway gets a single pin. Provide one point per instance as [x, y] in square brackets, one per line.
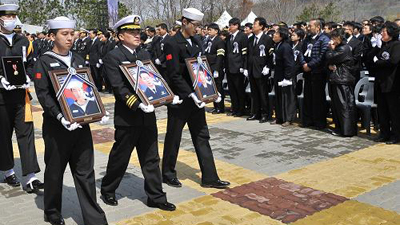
[278, 175]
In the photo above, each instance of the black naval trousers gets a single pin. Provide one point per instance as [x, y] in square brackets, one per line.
[75, 148]
[236, 91]
[144, 138]
[315, 102]
[12, 116]
[178, 116]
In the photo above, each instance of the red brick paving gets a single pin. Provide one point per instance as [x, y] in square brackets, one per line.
[279, 199]
[103, 135]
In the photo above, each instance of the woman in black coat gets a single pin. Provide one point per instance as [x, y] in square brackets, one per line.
[341, 85]
[284, 78]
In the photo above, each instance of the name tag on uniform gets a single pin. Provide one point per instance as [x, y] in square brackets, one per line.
[80, 66]
[75, 111]
[54, 64]
[126, 62]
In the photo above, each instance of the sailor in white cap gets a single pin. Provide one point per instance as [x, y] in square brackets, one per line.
[12, 107]
[135, 122]
[65, 143]
[181, 46]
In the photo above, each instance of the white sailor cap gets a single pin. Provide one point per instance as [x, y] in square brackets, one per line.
[61, 22]
[193, 14]
[74, 83]
[9, 9]
[131, 22]
[83, 30]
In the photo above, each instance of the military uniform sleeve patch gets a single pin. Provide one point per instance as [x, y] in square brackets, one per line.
[169, 57]
[38, 76]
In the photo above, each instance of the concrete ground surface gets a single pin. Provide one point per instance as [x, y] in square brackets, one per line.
[279, 175]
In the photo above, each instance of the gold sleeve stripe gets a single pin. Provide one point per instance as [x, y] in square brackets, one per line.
[244, 49]
[221, 53]
[221, 50]
[131, 101]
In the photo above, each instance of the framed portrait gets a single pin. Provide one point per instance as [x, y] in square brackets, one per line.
[78, 97]
[14, 70]
[202, 78]
[148, 83]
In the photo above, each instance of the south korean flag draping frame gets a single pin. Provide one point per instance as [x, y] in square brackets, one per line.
[71, 73]
[140, 68]
[202, 65]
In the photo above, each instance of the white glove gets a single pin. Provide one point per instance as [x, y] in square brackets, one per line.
[146, 108]
[241, 70]
[246, 73]
[379, 41]
[157, 61]
[27, 83]
[105, 118]
[375, 59]
[98, 65]
[216, 75]
[285, 83]
[100, 61]
[218, 100]
[265, 71]
[176, 100]
[6, 84]
[70, 126]
[87, 62]
[199, 103]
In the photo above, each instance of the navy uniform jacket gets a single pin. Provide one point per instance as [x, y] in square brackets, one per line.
[91, 108]
[256, 62]
[16, 96]
[84, 47]
[215, 54]
[177, 49]
[127, 102]
[43, 86]
[238, 59]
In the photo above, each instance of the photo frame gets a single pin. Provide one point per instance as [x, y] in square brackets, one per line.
[14, 70]
[78, 96]
[151, 88]
[202, 79]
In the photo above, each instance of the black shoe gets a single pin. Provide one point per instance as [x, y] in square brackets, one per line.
[213, 110]
[393, 141]
[216, 184]
[238, 115]
[218, 111]
[263, 119]
[34, 186]
[163, 206]
[253, 117]
[174, 182]
[109, 200]
[12, 181]
[231, 114]
[54, 221]
[381, 139]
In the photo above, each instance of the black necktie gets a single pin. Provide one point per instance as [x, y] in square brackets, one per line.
[255, 40]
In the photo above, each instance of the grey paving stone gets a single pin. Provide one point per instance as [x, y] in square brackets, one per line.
[387, 197]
